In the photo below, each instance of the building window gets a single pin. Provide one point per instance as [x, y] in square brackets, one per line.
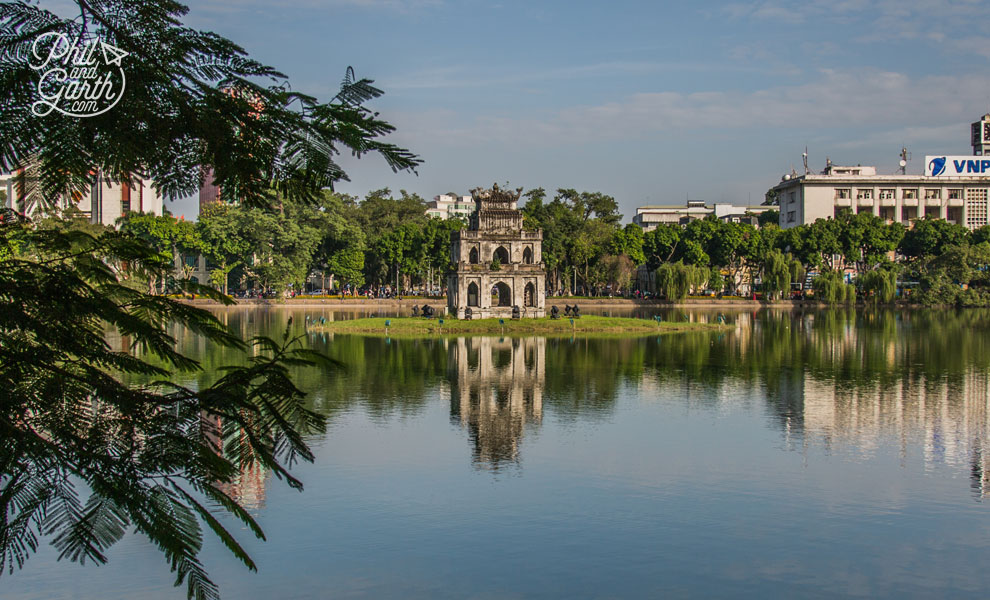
[864, 194]
[887, 194]
[909, 194]
[954, 215]
[955, 194]
[791, 216]
[843, 194]
[933, 194]
[792, 197]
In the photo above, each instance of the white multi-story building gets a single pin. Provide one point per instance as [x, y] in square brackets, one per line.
[104, 203]
[954, 188]
[449, 206]
[648, 217]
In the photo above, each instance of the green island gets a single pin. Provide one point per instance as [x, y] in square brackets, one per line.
[585, 325]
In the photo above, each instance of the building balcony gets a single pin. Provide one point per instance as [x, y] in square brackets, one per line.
[933, 202]
[865, 201]
[888, 202]
[956, 202]
[470, 234]
[909, 202]
[843, 201]
[510, 268]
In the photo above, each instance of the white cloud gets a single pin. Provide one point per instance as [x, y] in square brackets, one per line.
[231, 6]
[861, 99]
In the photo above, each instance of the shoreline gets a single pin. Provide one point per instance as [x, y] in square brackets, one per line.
[441, 303]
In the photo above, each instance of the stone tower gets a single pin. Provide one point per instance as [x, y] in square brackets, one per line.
[496, 265]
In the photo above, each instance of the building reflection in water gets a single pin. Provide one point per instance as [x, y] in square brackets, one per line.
[496, 393]
[948, 420]
[248, 486]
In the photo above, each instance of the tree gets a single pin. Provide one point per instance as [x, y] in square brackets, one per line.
[879, 285]
[629, 241]
[193, 99]
[866, 240]
[768, 217]
[281, 245]
[614, 270]
[222, 241]
[776, 275]
[676, 280]
[930, 237]
[165, 234]
[146, 454]
[831, 289]
[660, 245]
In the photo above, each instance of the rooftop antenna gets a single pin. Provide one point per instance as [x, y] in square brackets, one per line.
[905, 157]
[804, 157]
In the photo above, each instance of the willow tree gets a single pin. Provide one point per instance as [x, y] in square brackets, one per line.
[84, 455]
[676, 280]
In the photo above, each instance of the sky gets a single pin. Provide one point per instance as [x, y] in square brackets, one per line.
[650, 102]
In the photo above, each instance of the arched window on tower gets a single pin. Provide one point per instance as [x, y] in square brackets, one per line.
[473, 294]
[528, 256]
[501, 255]
[473, 256]
[504, 294]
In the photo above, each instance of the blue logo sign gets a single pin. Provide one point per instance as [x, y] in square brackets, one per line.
[937, 165]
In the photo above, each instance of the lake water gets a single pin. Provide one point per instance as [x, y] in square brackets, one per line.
[809, 454]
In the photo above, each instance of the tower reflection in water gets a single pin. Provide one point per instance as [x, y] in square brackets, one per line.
[496, 394]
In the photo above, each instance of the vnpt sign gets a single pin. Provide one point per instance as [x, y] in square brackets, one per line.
[954, 166]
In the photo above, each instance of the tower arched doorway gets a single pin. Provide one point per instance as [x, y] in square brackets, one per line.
[473, 256]
[529, 295]
[501, 255]
[472, 294]
[528, 256]
[504, 294]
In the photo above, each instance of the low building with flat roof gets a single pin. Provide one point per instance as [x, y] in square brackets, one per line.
[954, 188]
[450, 206]
[649, 217]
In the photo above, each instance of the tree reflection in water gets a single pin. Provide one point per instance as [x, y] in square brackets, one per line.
[843, 379]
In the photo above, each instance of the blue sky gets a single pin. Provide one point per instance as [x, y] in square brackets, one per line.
[651, 102]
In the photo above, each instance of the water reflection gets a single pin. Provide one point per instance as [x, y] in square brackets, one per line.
[841, 380]
[496, 393]
[248, 486]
